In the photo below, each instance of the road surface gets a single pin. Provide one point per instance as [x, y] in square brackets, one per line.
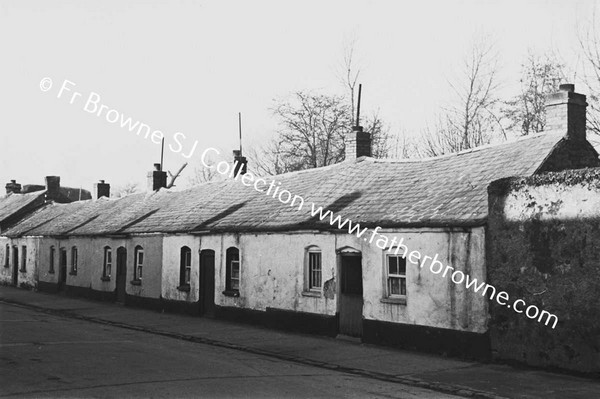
[43, 355]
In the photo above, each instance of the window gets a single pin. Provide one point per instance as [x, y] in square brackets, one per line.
[23, 258]
[185, 267]
[74, 260]
[232, 272]
[15, 253]
[313, 269]
[52, 256]
[396, 276]
[7, 256]
[107, 269]
[139, 263]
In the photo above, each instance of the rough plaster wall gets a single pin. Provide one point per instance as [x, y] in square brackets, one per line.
[94, 259]
[90, 263]
[5, 272]
[86, 255]
[43, 261]
[544, 247]
[151, 286]
[432, 300]
[171, 267]
[272, 273]
[28, 279]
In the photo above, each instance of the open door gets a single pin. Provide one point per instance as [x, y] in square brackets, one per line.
[121, 282]
[351, 294]
[207, 283]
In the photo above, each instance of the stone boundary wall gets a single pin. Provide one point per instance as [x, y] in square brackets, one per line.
[543, 245]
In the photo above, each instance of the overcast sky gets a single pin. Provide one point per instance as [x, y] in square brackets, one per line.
[191, 66]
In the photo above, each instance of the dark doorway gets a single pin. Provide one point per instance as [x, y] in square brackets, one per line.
[62, 269]
[15, 263]
[207, 283]
[351, 295]
[121, 280]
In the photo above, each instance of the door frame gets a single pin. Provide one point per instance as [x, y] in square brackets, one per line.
[119, 266]
[202, 308]
[15, 265]
[62, 272]
[346, 251]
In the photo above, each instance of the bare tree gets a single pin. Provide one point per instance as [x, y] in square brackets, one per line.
[380, 136]
[349, 75]
[526, 112]
[472, 119]
[173, 177]
[124, 190]
[311, 131]
[202, 174]
[589, 40]
[402, 146]
[268, 160]
[380, 132]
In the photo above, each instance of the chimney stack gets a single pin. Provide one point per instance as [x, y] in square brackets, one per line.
[358, 143]
[157, 179]
[13, 187]
[52, 187]
[565, 113]
[240, 163]
[101, 189]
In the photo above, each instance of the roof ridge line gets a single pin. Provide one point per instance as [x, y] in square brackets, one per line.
[470, 150]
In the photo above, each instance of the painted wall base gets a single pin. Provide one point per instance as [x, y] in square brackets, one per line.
[447, 342]
[303, 322]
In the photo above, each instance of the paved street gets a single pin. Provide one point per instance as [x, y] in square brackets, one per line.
[45, 355]
[57, 346]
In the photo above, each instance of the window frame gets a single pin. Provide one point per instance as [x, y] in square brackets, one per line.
[310, 286]
[388, 295]
[230, 260]
[138, 266]
[107, 264]
[185, 266]
[7, 256]
[52, 264]
[74, 259]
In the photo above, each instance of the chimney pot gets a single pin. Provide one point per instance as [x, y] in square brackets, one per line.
[568, 87]
[240, 163]
[13, 187]
[157, 179]
[101, 189]
[52, 187]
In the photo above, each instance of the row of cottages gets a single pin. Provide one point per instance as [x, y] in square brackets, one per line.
[226, 249]
[20, 201]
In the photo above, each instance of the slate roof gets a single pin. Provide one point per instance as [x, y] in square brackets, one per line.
[11, 204]
[444, 191]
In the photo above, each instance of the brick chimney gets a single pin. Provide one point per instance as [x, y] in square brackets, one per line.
[157, 179]
[101, 189]
[13, 187]
[358, 143]
[52, 187]
[240, 163]
[565, 112]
